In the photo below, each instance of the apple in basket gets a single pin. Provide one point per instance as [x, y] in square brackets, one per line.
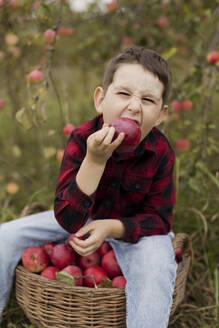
[48, 248]
[98, 274]
[119, 282]
[110, 264]
[50, 272]
[74, 271]
[104, 248]
[35, 259]
[62, 255]
[85, 262]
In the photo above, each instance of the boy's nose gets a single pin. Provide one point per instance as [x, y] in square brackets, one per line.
[134, 105]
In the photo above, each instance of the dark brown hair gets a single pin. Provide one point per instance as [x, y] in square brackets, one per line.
[148, 58]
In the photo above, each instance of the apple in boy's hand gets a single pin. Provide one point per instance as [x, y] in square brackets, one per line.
[50, 272]
[72, 236]
[132, 134]
[35, 259]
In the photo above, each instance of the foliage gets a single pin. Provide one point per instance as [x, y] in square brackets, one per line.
[72, 63]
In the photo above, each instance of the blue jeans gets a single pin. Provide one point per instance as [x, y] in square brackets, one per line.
[149, 266]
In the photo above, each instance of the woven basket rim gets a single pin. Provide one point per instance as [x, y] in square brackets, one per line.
[56, 283]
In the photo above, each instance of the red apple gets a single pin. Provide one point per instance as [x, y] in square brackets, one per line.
[67, 130]
[110, 264]
[35, 259]
[50, 272]
[187, 104]
[35, 76]
[48, 248]
[60, 154]
[88, 261]
[182, 144]
[213, 57]
[111, 6]
[11, 39]
[36, 4]
[126, 41]
[97, 272]
[104, 248]
[49, 35]
[2, 103]
[13, 3]
[65, 30]
[162, 21]
[132, 134]
[119, 282]
[74, 271]
[62, 255]
[176, 106]
[178, 255]
[72, 236]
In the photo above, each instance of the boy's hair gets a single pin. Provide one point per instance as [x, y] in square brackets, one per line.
[148, 58]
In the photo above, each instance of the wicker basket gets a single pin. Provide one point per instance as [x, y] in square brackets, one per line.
[49, 303]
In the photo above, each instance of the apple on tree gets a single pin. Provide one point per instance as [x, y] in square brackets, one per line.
[2, 103]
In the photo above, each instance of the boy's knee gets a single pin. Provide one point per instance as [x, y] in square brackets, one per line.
[157, 253]
[9, 234]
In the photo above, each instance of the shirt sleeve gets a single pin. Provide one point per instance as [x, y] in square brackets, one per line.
[156, 213]
[71, 205]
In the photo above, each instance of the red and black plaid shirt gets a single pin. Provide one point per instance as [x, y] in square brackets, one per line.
[136, 188]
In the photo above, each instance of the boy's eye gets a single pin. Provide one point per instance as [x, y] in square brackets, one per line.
[123, 93]
[148, 99]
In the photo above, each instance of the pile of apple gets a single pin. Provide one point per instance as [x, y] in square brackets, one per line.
[49, 260]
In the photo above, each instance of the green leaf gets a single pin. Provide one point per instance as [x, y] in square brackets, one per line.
[24, 118]
[169, 53]
[105, 283]
[65, 277]
[194, 184]
[204, 169]
[49, 152]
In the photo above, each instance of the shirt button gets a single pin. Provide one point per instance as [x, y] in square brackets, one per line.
[87, 203]
[137, 186]
[108, 203]
[114, 184]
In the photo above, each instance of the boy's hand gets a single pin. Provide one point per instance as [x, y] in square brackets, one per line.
[99, 230]
[100, 145]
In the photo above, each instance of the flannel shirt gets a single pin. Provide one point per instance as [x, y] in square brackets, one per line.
[136, 188]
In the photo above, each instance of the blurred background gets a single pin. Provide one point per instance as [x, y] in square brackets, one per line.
[52, 57]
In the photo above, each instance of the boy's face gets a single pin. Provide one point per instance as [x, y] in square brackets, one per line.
[135, 93]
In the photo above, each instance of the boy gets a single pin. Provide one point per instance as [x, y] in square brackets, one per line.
[126, 199]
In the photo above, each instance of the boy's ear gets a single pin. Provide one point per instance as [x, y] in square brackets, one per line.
[163, 115]
[98, 99]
